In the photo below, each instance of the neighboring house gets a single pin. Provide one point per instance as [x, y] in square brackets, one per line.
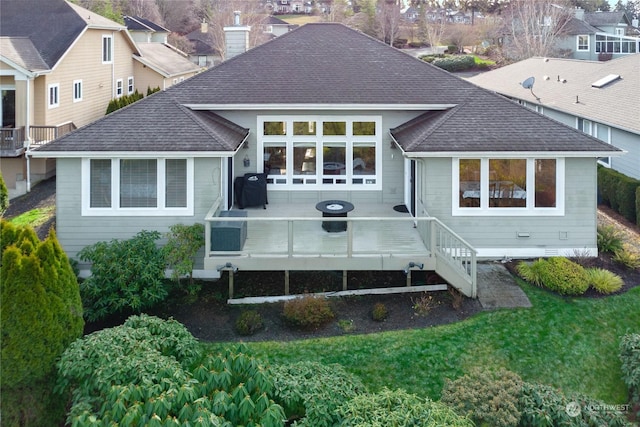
[144, 31]
[440, 172]
[598, 36]
[599, 98]
[276, 27]
[159, 63]
[203, 52]
[60, 65]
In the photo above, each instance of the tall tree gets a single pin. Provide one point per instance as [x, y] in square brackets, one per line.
[534, 26]
[389, 19]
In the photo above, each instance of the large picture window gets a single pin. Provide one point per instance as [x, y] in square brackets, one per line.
[137, 187]
[508, 186]
[320, 151]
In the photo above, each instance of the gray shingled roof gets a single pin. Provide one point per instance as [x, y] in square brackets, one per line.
[606, 18]
[137, 23]
[51, 25]
[615, 104]
[22, 52]
[331, 65]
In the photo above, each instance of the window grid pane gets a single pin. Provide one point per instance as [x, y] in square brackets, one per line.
[545, 178]
[469, 183]
[138, 183]
[176, 183]
[507, 183]
[100, 186]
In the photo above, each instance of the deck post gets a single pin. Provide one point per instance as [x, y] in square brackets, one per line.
[286, 282]
[344, 280]
[409, 278]
[231, 284]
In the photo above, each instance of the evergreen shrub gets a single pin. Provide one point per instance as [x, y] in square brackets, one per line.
[604, 281]
[609, 239]
[249, 322]
[379, 312]
[126, 275]
[308, 311]
[4, 196]
[487, 397]
[630, 357]
[455, 63]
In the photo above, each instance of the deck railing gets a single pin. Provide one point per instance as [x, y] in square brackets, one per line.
[454, 256]
[41, 135]
[11, 141]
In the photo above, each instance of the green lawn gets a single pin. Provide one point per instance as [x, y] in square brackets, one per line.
[34, 217]
[569, 343]
[299, 19]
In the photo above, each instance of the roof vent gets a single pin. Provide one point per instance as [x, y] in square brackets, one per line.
[605, 81]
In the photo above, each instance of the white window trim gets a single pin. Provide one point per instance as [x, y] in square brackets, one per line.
[288, 139]
[578, 49]
[77, 83]
[102, 52]
[119, 88]
[56, 103]
[116, 210]
[485, 210]
[130, 85]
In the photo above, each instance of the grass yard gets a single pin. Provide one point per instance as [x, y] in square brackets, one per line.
[568, 343]
[35, 217]
[299, 19]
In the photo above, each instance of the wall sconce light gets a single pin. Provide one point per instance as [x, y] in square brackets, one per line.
[246, 162]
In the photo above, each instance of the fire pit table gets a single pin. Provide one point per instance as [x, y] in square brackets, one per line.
[334, 209]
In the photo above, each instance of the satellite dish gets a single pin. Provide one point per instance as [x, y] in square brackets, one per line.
[528, 83]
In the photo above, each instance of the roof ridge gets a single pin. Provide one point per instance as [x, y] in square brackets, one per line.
[195, 117]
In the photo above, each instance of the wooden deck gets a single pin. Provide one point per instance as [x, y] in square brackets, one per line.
[290, 237]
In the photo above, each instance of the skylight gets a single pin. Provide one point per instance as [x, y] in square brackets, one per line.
[605, 80]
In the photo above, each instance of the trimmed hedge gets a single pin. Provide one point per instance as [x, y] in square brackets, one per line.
[455, 63]
[620, 192]
[630, 357]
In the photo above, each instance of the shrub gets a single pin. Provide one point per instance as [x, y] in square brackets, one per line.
[249, 322]
[41, 315]
[563, 276]
[630, 357]
[398, 408]
[627, 258]
[542, 405]
[379, 312]
[609, 239]
[531, 272]
[311, 392]
[423, 305]
[604, 281]
[485, 396]
[128, 375]
[125, 275]
[455, 63]
[618, 191]
[308, 311]
[4, 196]
[183, 243]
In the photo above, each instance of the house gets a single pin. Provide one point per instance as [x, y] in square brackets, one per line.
[276, 27]
[598, 36]
[60, 65]
[159, 63]
[599, 98]
[432, 175]
[204, 52]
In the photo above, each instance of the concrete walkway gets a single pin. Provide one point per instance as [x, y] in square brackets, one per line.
[497, 288]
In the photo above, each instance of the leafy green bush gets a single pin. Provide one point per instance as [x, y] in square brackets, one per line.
[609, 239]
[125, 275]
[41, 315]
[183, 243]
[399, 409]
[311, 392]
[308, 311]
[627, 258]
[543, 406]
[630, 357]
[455, 63]
[485, 397]
[619, 192]
[561, 275]
[531, 272]
[4, 196]
[431, 58]
[604, 281]
[139, 374]
[249, 322]
[379, 312]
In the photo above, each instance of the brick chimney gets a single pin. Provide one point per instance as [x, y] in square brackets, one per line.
[236, 37]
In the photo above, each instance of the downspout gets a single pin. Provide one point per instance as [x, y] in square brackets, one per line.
[28, 135]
